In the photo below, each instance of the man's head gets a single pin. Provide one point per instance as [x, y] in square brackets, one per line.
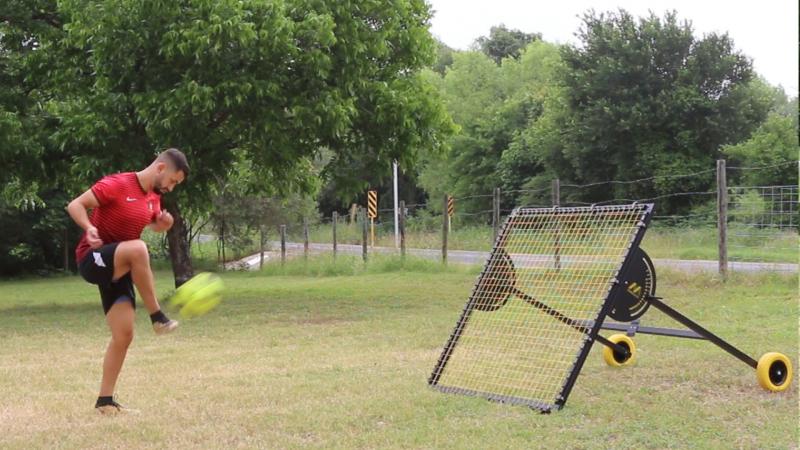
[171, 168]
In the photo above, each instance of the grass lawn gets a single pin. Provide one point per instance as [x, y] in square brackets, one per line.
[337, 356]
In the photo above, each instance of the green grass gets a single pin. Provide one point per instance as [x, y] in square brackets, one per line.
[318, 361]
[744, 244]
[350, 265]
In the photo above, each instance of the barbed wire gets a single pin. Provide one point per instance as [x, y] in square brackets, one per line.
[600, 183]
[678, 216]
[784, 186]
[527, 190]
[772, 166]
[473, 196]
[473, 214]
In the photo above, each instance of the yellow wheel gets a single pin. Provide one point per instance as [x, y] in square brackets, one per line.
[774, 372]
[617, 359]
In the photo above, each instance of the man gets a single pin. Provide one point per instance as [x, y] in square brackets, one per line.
[111, 254]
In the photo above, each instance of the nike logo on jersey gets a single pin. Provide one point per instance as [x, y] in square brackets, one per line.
[130, 199]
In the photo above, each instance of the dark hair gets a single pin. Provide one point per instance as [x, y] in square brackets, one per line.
[177, 158]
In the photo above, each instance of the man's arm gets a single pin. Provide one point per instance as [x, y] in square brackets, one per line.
[78, 208]
[162, 223]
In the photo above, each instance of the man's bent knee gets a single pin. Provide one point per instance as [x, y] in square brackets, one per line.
[134, 250]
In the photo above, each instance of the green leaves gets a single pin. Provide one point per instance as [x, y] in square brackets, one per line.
[647, 97]
[493, 106]
[278, 79]
[774, 145]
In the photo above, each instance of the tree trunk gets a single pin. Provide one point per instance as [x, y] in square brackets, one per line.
[179, 250]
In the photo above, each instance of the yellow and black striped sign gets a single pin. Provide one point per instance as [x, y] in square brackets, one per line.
[372, 204]
[451, 205]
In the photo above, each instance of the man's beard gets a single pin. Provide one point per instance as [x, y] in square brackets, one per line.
[159, 188]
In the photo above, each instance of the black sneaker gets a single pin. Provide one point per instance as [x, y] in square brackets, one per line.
[113, 408]
[165, 327]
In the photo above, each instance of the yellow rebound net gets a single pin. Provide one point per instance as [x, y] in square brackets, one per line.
[538, 304]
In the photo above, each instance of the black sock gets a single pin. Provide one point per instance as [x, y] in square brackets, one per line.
[158, 316]
[103, 401]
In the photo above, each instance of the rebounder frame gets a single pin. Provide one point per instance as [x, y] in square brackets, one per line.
[589, 328]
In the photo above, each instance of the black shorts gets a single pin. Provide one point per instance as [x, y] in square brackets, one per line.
[97, 267]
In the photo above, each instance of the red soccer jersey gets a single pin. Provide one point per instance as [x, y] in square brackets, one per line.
[125, 209]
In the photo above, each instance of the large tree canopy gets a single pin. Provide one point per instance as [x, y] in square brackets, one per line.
[504, 43]
[647, 98]
[270, 82]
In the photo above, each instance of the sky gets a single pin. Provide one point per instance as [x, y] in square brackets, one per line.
[765, 30]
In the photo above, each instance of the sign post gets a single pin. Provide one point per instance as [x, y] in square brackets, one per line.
[372, 210]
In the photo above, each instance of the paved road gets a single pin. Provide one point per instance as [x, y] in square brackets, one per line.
[478, 257]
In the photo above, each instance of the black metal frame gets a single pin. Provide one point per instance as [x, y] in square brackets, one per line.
[696, 331]
[592, 326]
[614, 292]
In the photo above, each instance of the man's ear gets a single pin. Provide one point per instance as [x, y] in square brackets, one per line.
[161, 166]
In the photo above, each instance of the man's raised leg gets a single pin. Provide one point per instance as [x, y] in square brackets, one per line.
[132, 256]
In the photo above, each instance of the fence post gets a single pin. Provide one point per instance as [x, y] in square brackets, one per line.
[222, 243]
[362, 214]
[402, 225]
[445, 226]
[495, 213]
[283, 244]
[305, 239]
[722, 218]
[334, 219]
[261, 247]
[556, 192]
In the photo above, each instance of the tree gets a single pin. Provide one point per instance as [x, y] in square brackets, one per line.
[26, 27]
[472, 92]
[32, 169]
[493, 107]
[273, 81]
[773, 146]
[534, 94]
[444, 57]
[504, 43]
[647, 98]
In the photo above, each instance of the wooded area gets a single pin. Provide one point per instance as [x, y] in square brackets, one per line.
[291, 109]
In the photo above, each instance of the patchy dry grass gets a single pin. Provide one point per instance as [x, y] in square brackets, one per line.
[342, 362]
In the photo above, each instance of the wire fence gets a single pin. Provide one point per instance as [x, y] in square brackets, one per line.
[720, 223]
[762, 220]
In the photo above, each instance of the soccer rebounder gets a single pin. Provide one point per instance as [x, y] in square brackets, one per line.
[552, 278]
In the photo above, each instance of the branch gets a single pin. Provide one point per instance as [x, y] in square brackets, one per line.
[218, 119]
[48, 18]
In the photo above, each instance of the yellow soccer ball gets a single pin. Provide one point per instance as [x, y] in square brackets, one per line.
[199, 295]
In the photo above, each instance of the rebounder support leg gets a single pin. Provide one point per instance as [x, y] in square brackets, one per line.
[663, 307]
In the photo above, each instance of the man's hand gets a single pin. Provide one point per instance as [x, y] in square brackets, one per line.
[77, 210]
[93, 238]
[163, 222]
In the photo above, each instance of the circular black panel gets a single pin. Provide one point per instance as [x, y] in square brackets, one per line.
[496, 285]
[640, 282]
